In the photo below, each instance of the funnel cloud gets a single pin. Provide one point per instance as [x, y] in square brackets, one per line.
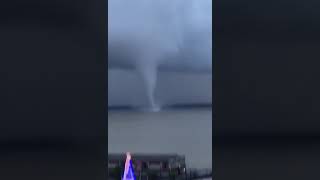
[148, 36]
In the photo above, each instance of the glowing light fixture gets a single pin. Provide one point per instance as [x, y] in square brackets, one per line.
[128, 173]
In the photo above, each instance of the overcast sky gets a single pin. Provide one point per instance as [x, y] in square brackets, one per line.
[162, 27]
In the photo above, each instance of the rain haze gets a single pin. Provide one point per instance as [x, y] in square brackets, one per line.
[159, 57]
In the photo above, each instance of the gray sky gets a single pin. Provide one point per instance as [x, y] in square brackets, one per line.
[177, 34]
[124, 88]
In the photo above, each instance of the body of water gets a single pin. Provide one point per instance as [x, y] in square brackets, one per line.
[184, 131]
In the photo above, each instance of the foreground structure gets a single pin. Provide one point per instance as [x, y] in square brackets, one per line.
[152, 166]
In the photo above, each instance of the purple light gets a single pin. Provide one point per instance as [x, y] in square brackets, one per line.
[128, 173]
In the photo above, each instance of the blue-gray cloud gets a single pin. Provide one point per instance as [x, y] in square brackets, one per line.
[166, 35]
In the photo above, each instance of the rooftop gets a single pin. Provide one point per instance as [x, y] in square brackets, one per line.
[149, 157]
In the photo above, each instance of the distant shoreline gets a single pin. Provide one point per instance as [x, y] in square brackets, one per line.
[170, 107]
